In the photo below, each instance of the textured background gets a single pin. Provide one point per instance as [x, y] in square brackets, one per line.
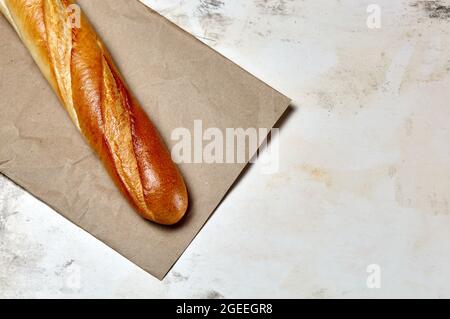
[364, 174]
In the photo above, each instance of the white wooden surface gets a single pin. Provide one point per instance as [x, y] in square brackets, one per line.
[364, 175]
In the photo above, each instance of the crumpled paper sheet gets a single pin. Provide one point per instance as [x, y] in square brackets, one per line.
[176, 78]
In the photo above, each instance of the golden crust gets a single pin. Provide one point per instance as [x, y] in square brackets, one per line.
[82, 73]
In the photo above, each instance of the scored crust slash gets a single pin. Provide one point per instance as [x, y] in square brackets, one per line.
[82, 73]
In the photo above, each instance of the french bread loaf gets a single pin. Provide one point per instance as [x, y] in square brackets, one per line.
[79, 68]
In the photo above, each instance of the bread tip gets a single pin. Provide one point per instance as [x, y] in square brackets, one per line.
[172, 212]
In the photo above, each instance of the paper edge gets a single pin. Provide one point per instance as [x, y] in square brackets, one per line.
[152, 11]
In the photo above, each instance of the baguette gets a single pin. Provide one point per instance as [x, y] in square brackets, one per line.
[82, 73]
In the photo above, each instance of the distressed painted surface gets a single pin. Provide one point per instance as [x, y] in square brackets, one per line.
[364, 167]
